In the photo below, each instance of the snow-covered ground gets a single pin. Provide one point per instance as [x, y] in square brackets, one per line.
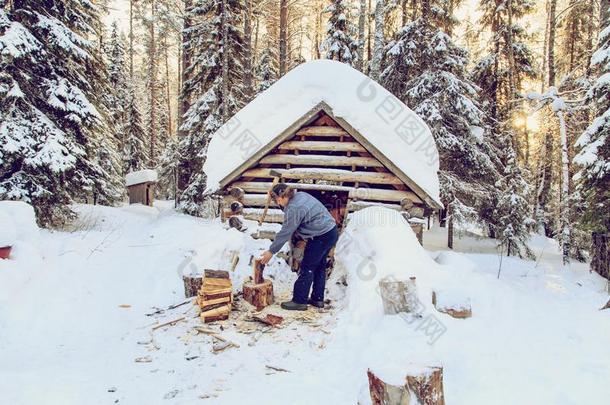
[74, 305]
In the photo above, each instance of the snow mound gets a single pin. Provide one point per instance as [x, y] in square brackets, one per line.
[381, 118]
[17, 222]
[378, 243]
[140, 176]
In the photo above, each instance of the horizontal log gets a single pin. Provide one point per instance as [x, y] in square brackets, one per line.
[322, 146]
[263, 187]
[327, 174]
[250, 200]
[215, 274]
[376, 194]
[322, 131]
[255, 214]
[359, 205]
[321, 160]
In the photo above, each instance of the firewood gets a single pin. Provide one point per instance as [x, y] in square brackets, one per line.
[170, 323]
[259, 295]
[217, 282]
[269, 319]
[258, 269]
[216, 274]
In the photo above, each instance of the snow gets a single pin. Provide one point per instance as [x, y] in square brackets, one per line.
[536, 335]
[391, 127]
[17, 225]
[140, 176]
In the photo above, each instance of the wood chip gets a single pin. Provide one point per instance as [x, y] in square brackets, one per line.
[170, 323]
[145, 359]
[277, 369]
[124, 306]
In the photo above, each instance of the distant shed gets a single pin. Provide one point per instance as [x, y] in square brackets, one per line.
[332, 132]
[141, 186]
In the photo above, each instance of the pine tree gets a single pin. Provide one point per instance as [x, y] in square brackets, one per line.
[339, 43]
[135, 139]
[512, 210]
[266, 68]
[214, 82]
[53, 122]
[594, 156]
[427, 70]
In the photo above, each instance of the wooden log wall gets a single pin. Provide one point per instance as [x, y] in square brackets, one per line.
[321, 158]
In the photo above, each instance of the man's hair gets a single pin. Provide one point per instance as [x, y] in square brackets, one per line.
[282, 190]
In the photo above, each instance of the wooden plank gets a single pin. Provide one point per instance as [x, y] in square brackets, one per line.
[250, 200]
[327, 174]
[322, 131]
[321, 160]
[322, 146]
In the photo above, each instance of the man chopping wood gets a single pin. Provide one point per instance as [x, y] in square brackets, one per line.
[306, 216]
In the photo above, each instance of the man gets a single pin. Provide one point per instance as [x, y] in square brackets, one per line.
[306, 216]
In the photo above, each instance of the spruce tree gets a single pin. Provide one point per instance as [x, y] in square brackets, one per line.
[266, 70]
[594, 155]
[427, 70]
[214, 83]
[55, 143]
[339, 43]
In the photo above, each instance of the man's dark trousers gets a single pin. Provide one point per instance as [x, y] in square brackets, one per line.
[313, 267]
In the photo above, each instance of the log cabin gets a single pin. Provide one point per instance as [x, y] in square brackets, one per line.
[330, 131]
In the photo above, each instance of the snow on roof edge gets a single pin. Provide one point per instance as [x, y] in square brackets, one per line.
[140, 176]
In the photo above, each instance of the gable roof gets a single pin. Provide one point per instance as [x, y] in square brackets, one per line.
[372, 115]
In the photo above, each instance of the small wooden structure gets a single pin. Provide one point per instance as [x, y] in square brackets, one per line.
[141, 187]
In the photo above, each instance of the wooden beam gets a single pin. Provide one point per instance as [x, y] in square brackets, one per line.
[322, 131]
[376, 194]
[322, 146]
[359, 205]
[255, 214]
[249, 200]
[327, 174]
[321, 160]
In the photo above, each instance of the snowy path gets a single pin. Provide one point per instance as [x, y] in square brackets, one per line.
[536, 335]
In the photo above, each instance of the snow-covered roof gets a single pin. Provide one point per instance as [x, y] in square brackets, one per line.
[377, 115]
[140, 176]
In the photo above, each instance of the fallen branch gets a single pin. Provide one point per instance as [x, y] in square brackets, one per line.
[170, 323]
[216, 336]
[277, 369]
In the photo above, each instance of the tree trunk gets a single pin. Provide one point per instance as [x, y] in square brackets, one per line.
[423, 385]
[379, 40]
[283, 36]
[361, 32]
[600, 254]
[565, 191]
[168, 98]
[552, 30]
[248, 76]
[399, 296]
[259, 295]
[225, 61]
[131, 41]
[152, 55]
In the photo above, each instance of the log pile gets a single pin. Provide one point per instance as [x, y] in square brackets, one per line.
[422, 386]
[215, 296]
[258, 292]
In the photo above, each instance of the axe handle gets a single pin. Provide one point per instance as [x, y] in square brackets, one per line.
[262, 218]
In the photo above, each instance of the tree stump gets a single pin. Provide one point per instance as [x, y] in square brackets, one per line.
[452, 304]
[424, 386]
[260, 295]
[192, 284]
[399, 295]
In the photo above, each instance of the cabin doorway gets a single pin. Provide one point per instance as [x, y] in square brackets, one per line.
[334, 201]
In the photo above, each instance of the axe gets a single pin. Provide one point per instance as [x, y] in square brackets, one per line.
[277, 176]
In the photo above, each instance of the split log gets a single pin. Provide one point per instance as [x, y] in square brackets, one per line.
[399, 295]
[451, 304]
[192, 284]
[338, 175]
[222, 274]
[215, 296]
[220, 313]
[259, 295]
[322, 146]
[423, 385]
[257, 272]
